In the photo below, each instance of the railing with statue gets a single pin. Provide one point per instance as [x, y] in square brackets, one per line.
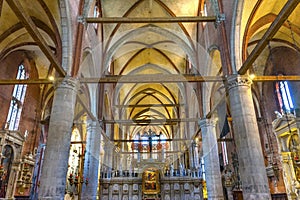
[167, 173]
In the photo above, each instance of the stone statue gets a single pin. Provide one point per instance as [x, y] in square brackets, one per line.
[228, 178]
[181, 169]
[172, 169]
[235, 164]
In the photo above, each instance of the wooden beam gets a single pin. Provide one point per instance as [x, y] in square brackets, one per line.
[275, 78]
[29, 25]
[187, 19]
[25, 81]
[153, 78]
[149, 123]
[166, 152]
[144, 78]
[148, 105]
[91, 115]
[118, 79]
[220, 100]
[124, 121]
[146, 140]
[272, 30]
[169, 140]
[1, 6]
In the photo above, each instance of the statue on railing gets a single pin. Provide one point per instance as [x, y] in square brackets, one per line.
[172, 169]
[181, 169]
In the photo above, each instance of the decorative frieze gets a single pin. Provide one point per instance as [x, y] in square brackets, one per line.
[122, 188]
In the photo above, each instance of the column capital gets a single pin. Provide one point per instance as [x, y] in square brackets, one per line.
[67, 82]
[236, 80]
[92, 123]
[207, 122]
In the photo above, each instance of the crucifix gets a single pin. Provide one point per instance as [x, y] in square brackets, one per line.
[150, 135]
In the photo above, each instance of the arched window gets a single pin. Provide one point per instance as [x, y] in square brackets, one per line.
[284, 98]
[204, 11]
[16, 103]
[96, 14]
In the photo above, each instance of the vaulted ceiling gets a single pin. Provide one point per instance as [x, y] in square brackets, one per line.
[154, 51]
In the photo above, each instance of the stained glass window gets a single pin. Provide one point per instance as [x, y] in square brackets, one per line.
[284, 97]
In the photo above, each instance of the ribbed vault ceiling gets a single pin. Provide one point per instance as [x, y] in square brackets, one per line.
[142, 48]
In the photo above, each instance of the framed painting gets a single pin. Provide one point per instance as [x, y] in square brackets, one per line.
[151, 184]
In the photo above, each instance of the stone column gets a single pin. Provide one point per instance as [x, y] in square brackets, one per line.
[91, 162]
[55, 166]
[251, 163]
[211, 159]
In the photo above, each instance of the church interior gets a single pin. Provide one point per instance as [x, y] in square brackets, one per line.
[150, 99]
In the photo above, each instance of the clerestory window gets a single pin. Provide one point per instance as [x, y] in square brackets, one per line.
[96, 14]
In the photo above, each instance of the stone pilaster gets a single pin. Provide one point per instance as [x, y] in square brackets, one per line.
[91, 162]
[211, 159]
[251, 163]
[55, 166]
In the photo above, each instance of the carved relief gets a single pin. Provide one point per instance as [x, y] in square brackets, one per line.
[167, 187]
[125, 188]
[115, 197]
[289, 143]
[176, 186]
[135, 197]
[105, 197]
[116, 188]
[167, 197]
[135, 187]
[186, 187]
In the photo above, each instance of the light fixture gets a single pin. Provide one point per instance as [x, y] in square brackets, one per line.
[252, 76]
[51, 78]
